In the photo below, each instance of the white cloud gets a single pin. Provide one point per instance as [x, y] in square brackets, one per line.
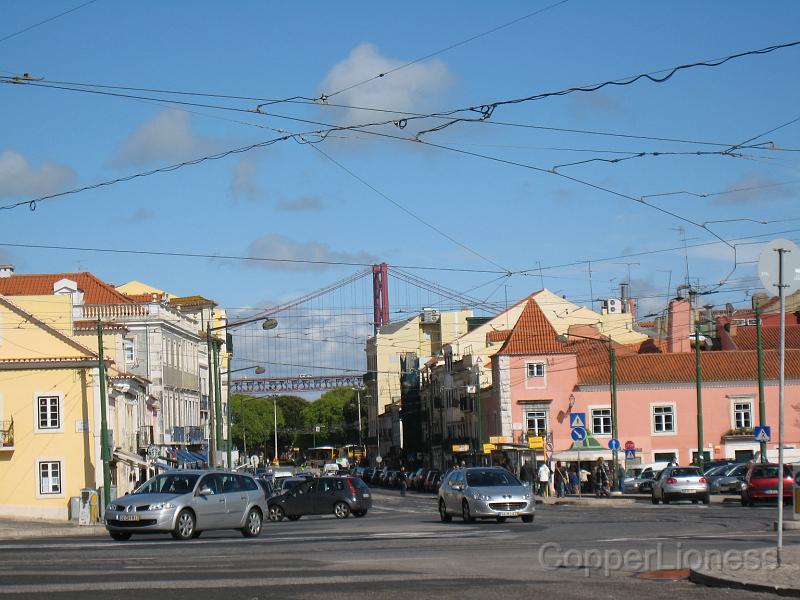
[19, 178]
[168, 136]
[304, 203]
[140, 215]
[756, 187]
[403, 90]
[590, 103]
[281, 247]
[243, 178]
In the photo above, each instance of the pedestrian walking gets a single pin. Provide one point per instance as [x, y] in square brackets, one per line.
[602, 480]
[526, 473]
[574, 480]
[403, 477]
[561, 480]
[544, 478]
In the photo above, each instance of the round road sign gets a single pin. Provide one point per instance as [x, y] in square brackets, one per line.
[629, 445]
[578, 434]
[378, 459]
[768, 266]
[613, 444]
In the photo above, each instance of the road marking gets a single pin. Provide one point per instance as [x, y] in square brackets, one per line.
[689, 537]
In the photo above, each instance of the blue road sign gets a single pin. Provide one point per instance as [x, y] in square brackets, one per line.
[577, 420]
[578, 434]
[761, 433]
[630, 454]
[613, 444]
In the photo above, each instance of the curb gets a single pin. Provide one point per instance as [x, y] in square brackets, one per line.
[27, 533]
[721, 582]
[595, 502]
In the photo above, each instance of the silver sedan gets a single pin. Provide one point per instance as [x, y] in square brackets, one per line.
[186, 503]
[484, 493]
[680, 483]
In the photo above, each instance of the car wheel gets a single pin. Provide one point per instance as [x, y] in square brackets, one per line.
[653, 499]
[197, 533]
[443, 512]
[294, 517]
[527, 518]
[706, 499]
[120, 536]
[695, 500]
[184, 526]
[252, 525]
[276, 513]
[341, 510]
[501, 519]
[465, 514]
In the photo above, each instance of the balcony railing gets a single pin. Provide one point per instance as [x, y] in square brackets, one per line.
[178, 435]
[7, 435]
[145, 436]
[195, 435]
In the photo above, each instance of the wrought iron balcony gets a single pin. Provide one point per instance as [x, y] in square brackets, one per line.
[178, 435]
[7, 435]
[195, 435]
[145, 436]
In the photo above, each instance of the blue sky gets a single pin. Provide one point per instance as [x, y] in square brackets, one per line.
[290, 201]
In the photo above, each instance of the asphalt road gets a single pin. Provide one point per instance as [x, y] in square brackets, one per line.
[401, 550]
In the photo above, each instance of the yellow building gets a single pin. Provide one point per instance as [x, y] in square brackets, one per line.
[49, 402]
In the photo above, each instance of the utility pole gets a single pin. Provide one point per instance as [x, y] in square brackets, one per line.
[228, 407]
[275, 429]
[212, 446]
[699, 395]
[781, 359]
[244, 429]
[612, 358]
[478, 407]
[762, 408]
[358, 393]
[217, 396]
[104, 441]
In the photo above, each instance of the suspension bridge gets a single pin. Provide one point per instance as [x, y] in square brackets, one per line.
[320, 338]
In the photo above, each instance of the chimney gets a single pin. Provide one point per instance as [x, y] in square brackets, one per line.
[6, 270]
[679, 325]
[623, 296]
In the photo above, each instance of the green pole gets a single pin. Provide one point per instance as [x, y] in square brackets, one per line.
[612, 357]
[104, 441]
[212, 446]
[478, 409]
[762, 408]
[699, 396]
[217, 397]
[228, 406]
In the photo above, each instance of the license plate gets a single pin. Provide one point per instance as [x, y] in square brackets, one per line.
[508, 513]
[689, 491]
[128, 518]
[771, 492]
[366, 495]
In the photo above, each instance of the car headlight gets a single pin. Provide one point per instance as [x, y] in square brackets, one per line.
[527, 496]
[162, 506]
[478, 496]
[113, 507]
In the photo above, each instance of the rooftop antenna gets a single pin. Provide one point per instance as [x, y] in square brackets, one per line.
[682, 231]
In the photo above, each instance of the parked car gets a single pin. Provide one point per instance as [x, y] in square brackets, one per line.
[393, 478]
[713, 464]
[485, 493]
[727, 479]
[761, 483]
[646, 485]
[185, 503]
[419, 480]
[411, 477]
[635, 472]
[430, 480]
[341, 496]
[635, 485]
[680, 483]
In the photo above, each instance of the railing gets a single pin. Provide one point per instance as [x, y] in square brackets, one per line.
[195, 435]
[99, 311]
[7, 435]
[145, 436]
[178, 435]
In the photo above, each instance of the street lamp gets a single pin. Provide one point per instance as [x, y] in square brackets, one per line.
[612, 358]
[259, 371]
[215, 390]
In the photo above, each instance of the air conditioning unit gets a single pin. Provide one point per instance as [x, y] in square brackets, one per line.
[429, 315]
[613, 306]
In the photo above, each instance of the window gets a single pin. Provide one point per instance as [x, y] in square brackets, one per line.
[601, 421]
[742, 456]
[663, 456]
[50, 477]
[663, 419]
[706, 457]
[536, 422]
[49, 413]
[535, 370]
[130, 351]
[742, 415]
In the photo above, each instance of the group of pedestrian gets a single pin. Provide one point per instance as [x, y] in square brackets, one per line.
[570, 480]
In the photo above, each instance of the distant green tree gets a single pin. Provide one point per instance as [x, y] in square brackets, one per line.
[253, 417]
[336, 414]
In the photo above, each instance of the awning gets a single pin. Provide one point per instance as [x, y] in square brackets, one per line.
[129, 457]
[162, 465]
[184, 456]
[199, 457]
[589, 449]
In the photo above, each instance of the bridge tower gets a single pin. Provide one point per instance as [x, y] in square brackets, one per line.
[380, 294]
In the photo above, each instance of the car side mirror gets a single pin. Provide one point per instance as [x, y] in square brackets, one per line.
[205, 491]
[458, 486]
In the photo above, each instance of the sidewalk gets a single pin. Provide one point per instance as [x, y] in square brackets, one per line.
[11, 529]
[759, 575]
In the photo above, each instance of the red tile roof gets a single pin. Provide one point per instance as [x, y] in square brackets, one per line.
[145, 298]
[95, 291]
[745, 338]
[192, 301]
[593, 369]
[532, 334]
[500, 335]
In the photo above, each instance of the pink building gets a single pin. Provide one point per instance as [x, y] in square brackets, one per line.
[539, 379]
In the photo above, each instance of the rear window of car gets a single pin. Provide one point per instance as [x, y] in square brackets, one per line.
[490, 477]
[685, 472]
[769, 472]
[357, 483]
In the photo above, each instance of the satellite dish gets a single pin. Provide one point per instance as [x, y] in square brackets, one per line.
[768, 266]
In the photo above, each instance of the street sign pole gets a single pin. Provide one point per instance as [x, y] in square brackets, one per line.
[781, 351]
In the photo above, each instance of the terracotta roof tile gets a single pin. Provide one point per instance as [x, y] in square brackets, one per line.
[95, 291]
[532, 334]
[679, 367]
[146, 298]
[745, 338]
[192, 300]
[500, 335]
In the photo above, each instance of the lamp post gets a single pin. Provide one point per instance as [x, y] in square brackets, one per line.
[259, 371]
[275, 429]
[215, 391]
[612, 360]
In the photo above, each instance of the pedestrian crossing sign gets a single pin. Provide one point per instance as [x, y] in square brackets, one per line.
[762, 434]
[577, 420]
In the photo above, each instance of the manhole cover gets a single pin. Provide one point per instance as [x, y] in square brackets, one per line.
[665, 575]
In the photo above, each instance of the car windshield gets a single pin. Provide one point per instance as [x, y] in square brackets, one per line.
[718, 470]
[169, 483]
[632, 472]
[685, 472]
[490, 477]
[648, 475]
[769, 472]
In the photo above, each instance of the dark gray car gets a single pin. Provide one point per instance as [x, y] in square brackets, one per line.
[341, 496]
[185, 503]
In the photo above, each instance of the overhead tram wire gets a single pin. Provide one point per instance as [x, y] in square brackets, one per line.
[40, 23]
[445, 49]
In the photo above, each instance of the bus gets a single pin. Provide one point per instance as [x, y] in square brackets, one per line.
[317, 456]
